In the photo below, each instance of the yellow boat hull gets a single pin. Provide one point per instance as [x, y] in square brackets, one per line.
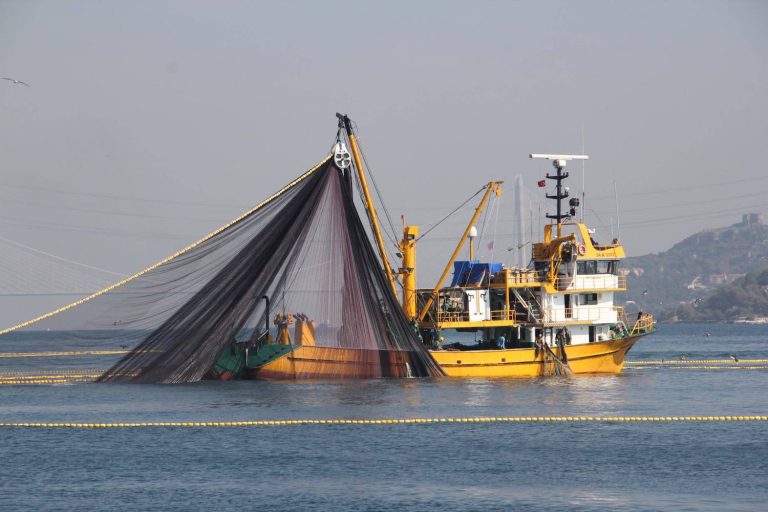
[310, 362]
[592, 358]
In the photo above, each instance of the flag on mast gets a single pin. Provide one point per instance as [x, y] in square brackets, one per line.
[542, 183]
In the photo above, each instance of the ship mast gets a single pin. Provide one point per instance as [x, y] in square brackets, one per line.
[492, 187]
[369, 208]
[559, 162]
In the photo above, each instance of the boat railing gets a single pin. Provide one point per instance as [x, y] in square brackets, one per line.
[523, 276]
[593, 282]
[643, 324]
[581, 314]
[503, 314]
[463, 316]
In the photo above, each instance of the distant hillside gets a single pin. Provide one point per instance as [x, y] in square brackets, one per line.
[691, 269]
[746, 298]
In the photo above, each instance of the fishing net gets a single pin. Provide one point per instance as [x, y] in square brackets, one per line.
[553, 365]
[303, 255]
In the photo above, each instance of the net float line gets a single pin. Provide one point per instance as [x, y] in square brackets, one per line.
[693, 361]
[47, 381]
[20, 378]
[73, 375]
[52, 377]
[39, 378]
[173, 256]
[61, 372]
[6, 355]
[720, 367]
[399, 421]
[13, 355]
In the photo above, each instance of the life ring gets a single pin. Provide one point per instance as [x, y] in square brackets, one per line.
[582, 249]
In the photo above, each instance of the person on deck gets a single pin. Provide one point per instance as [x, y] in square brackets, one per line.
[501, 342]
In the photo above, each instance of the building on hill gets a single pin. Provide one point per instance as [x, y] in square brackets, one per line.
[722, 257]
[752, 219]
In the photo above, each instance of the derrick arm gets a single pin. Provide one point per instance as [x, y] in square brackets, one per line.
[344, 119]
[555, 247]
[493, 186]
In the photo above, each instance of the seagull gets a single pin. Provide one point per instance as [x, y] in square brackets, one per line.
[734, 358]
[645, 292]
[17, 82]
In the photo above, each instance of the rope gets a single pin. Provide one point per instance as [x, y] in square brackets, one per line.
[53, 256]
[173, 256]
[387, 215]
[447, 216]
[403, 421]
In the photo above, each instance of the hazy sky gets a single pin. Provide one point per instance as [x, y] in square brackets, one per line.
[158, 121]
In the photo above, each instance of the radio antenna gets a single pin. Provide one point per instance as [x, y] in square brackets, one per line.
[559, 162]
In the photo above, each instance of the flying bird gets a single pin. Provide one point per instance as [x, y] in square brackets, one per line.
[17, 82]
[735, 359]
[645, 292]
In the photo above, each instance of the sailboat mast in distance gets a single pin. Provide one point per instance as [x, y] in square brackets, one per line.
[520, 222]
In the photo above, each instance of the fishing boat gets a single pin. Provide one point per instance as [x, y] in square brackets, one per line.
[298, 287]
[555, 316]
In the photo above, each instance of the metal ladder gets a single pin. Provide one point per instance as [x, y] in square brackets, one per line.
[532, 306]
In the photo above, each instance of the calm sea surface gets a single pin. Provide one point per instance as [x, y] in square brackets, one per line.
[480, 466]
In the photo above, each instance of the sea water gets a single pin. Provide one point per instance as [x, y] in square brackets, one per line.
[419, 467]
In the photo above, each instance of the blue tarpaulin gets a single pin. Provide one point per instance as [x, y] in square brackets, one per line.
[472, 271]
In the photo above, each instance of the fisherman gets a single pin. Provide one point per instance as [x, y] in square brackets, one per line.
[560, 340]
[445, 307]
[501, 342]
[539, 344]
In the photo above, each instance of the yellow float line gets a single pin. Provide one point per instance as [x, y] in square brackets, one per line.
[20, 378]
[8, 355]
[692, 367]
[404, 421]
[26, 378]
[53, 373]
[695, 361]
[21, 382]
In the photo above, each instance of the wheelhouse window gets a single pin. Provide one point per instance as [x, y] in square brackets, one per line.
[588, 299]
[586, 267]
[591, 267]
